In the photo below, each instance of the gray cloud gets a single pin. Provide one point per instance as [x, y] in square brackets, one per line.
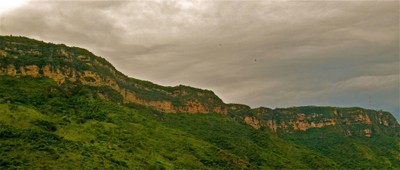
[261, 53]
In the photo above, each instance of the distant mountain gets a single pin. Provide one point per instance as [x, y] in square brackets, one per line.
[61, 104]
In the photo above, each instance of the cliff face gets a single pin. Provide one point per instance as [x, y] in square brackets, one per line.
[351, 121]
[21, 56]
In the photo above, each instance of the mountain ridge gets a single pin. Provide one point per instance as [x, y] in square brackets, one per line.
[63, 63]
[65, 108]
[21, 56]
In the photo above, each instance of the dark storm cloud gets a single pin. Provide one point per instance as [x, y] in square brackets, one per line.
[269, 53]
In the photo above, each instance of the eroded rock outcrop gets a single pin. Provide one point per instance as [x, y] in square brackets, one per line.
[252, 121]
[27, 57]
[350, 120]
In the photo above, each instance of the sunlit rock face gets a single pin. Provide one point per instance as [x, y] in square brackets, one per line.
[351, 121]
[26, 57]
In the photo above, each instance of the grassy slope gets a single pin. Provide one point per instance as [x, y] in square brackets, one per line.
[258, 147]
[45, 126]
[131, 140]
[378, 151]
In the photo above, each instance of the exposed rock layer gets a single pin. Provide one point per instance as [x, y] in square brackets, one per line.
[69, 64]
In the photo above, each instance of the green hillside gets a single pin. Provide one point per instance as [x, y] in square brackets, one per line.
[42, 126]
[378, 152]
[65, 108]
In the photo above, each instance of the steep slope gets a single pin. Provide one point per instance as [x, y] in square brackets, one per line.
[45, 126]
[72, 98]
[20, 56]
[379, 151]
[352, 137]
[351, 121]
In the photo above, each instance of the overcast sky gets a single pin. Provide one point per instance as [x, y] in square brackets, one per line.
[260, 53]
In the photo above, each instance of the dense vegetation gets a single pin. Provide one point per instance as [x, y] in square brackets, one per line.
[260, 148]
[22, 51]
[44, 126]
[47, 125]
[376, 152]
